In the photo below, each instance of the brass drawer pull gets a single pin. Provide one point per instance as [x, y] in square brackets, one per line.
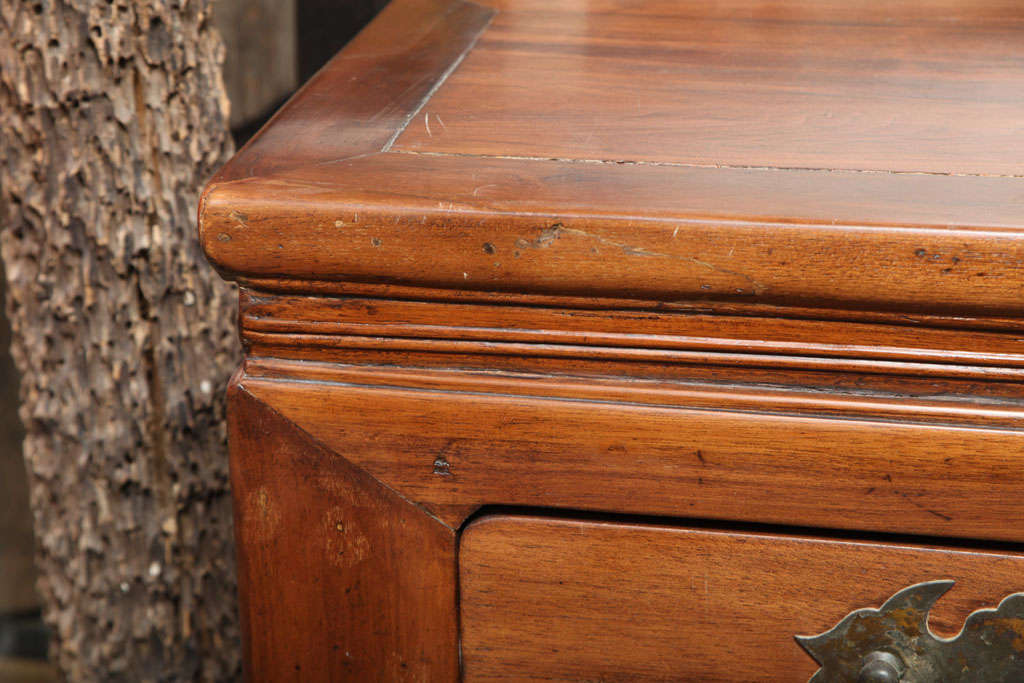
[893, 643]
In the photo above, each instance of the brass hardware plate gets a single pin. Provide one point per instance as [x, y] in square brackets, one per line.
[989, 649]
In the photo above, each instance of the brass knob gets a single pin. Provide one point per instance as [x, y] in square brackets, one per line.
[881, 667]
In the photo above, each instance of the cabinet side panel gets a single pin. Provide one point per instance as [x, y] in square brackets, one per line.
[341, 578]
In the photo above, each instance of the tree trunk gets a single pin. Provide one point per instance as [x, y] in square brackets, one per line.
[112, 115]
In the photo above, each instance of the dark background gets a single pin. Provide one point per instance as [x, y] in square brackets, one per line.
[321, 28]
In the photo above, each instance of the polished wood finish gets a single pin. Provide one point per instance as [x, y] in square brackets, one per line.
[895, 358]
[911, 202]
[953, 244]
[456, 449]
[911, 86]
[749, 262]
[982, 413]
[878, 344]
[340, 578]
[569, 600]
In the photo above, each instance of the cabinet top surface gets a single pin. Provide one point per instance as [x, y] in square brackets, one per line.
[932, 86]
[900, 115]
[910, 86]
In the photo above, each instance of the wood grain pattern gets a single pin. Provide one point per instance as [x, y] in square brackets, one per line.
[959, 410]
[291, 288]
[738, 261]
[487, 193]
[907, 359]
[894, 359]
[914, 243]
[355, 105]
[548, 599]
[264, 313]
[911, 86]
[454, 348]
[465, 449]
[725, 377]
[340, 578]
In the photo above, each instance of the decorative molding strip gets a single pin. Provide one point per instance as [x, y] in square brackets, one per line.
[284, 286]
[650, 393]
[287, 322]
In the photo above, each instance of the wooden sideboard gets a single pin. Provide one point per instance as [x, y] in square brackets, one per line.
[629, 340]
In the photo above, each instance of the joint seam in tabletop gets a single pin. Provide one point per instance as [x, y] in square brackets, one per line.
[440, 81]
[923, 229]
[241, 387]
[677, 164]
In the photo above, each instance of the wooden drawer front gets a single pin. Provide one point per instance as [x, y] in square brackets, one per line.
[556, 599]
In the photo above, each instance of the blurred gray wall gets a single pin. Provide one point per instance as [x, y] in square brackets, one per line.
[261, 59]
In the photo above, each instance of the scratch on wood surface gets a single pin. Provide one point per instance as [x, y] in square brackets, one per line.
[239, 218]
[551, 234]
[682, 164]
[487, 17]
[927, 509]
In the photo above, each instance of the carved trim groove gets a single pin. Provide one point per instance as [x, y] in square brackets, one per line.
[304, 323]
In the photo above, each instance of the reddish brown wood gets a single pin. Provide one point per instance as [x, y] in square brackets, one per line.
[915, 243]
[655, 393]
[652, 330]
[546, 599]
[706, 370]
[340, 578]
[356, 104]
[892, 358]
[462, 448]
[913, 86]
[914, 204]
[920, 319]
[742, 261]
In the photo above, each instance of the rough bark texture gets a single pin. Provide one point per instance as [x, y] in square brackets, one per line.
[112, 115]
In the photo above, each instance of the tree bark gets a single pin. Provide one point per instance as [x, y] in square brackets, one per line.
[112, 115]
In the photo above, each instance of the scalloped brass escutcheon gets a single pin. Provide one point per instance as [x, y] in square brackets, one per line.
[893, 643]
